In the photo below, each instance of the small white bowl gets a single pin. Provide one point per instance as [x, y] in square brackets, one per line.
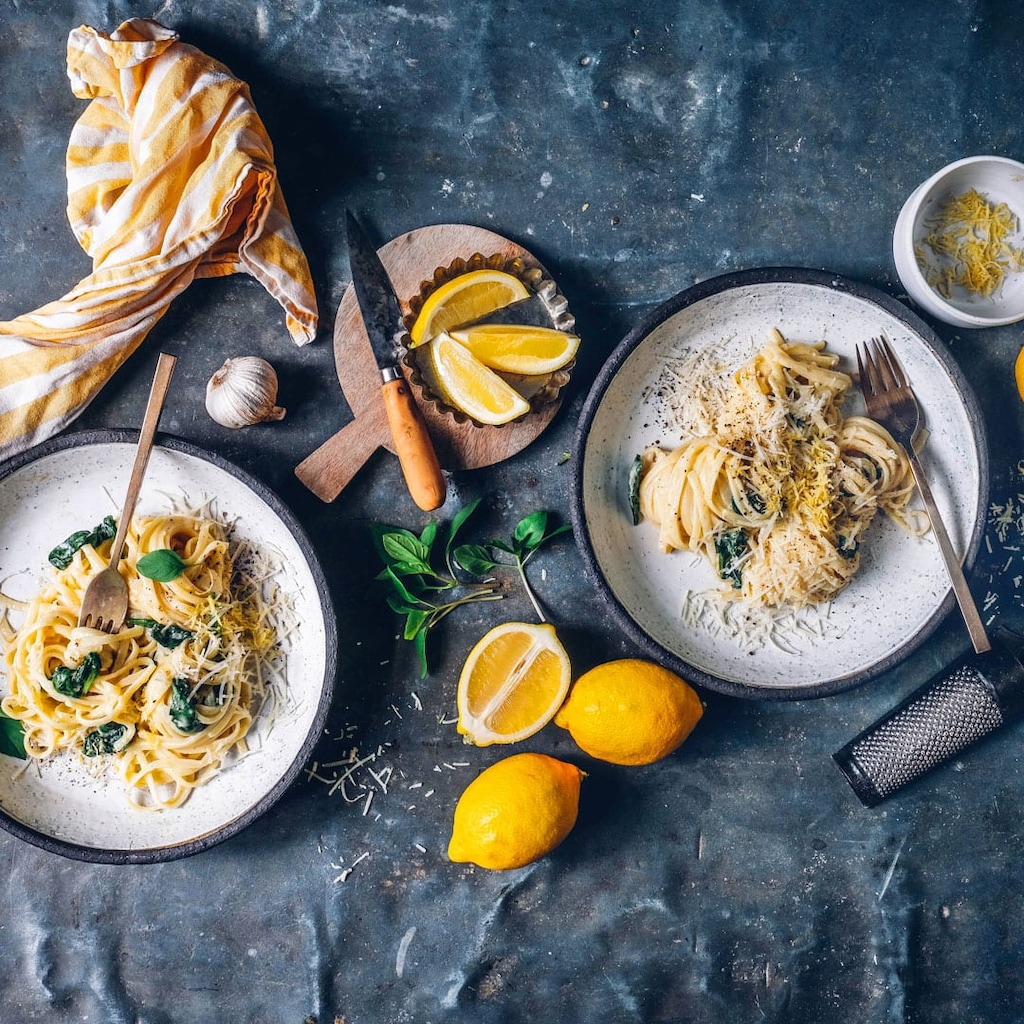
[1000, 180]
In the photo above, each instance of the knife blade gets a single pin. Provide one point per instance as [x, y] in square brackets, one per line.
[382, 318]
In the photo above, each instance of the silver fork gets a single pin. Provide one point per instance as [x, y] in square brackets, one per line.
[891, 401]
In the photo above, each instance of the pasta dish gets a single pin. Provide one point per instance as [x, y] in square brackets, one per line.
[168, 700]
[772, 484]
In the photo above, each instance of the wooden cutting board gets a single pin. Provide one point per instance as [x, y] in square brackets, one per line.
[411, 259]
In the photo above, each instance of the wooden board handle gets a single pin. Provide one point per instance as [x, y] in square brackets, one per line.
[413, 446]
[327, 470]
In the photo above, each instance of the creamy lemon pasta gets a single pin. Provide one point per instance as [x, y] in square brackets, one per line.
[168, 700]
[772, 484]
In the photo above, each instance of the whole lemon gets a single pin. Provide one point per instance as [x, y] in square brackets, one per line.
[630, 711]
[515, 811]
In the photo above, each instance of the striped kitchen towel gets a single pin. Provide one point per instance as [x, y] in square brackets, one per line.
[170, 177]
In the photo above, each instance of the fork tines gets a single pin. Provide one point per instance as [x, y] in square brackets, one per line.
[879, 368]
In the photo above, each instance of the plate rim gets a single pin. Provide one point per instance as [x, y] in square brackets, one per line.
[634, 337]
[213, 837]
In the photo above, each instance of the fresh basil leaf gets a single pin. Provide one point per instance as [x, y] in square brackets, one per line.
[429, 534]
[404, 547]
[106, 739]
[145, 623]
[459, 519]
[162, 565]
[415, 620]
[401, 589]
[183, 707]
[420, 641]
[12, 737]
[474, 558]
[529, 532]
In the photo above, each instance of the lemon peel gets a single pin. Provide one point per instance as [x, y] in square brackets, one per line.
[463, 299]
[630, 712]
[462, 381]
[515, 812]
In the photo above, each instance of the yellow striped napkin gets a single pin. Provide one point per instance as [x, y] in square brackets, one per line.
[170, 177]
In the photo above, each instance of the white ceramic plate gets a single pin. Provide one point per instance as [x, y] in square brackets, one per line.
[901, 591]
[69, 484]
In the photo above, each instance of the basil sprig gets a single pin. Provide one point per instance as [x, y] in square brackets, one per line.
[419, 569]
[60, 557]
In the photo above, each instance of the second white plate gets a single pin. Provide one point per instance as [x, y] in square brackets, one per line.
[901, 591]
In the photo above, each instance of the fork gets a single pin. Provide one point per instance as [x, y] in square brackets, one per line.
[891, 401]
[105, 604]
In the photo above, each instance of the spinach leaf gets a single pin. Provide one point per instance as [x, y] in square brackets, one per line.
[76, 682]
[183, 706]
[731, 547]
[162, 565]
[60, 557]
[106, 739]
[635, 474]
[169, 636]
[12, 737]
[847, 547]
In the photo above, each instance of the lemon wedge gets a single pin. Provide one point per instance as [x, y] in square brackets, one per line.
[513, 682]
[519, 348]
[465, 383]
[463, 299]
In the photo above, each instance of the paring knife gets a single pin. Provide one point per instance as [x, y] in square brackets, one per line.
[382, 317]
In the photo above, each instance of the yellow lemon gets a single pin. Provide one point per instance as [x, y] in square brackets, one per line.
[519, 348]
[463, 299]
[1018, 372]
[630, 711]
[513, 682]
[465, 383]
[515, 812]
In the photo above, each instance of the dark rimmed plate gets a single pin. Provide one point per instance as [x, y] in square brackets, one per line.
[901, 593]
[55, 488]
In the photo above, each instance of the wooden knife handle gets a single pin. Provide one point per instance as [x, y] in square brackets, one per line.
[413, 446]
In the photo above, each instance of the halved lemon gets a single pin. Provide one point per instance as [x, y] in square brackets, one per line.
[513, 682]
[519, 348]
[462, 381]
[463, 299]
[1018, 373]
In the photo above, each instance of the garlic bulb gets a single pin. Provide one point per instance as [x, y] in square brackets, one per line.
[243, 391]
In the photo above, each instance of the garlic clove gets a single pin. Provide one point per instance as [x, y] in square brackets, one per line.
[242, 392]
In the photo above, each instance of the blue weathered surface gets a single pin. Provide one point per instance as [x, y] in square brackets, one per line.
[634, 151]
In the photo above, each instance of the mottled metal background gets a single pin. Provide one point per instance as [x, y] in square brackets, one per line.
[634, 149]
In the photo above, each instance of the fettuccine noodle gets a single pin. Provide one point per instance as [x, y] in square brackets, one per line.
[172, 697]
[775, 487]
